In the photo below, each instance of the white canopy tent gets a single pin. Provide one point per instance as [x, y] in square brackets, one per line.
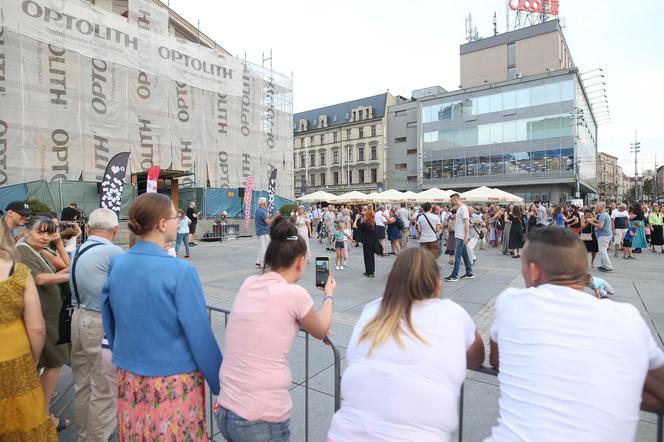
[410, 196]
[316, 197]
[389, 196]
[434, 195]
[486, 194]
[349, 197]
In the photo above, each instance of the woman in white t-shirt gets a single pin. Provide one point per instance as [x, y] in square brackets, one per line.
[407, 359]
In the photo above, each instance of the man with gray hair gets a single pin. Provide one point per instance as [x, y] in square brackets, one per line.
[94, 398]
[604, 233]
[263, 222]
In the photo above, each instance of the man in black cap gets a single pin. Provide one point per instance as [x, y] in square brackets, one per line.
[16, 214]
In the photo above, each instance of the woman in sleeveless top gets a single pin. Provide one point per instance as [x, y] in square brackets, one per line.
[22, 329]
[303, 224]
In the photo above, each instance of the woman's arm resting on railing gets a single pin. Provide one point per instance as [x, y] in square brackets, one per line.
[475, 353]
[653, 391]
[493, 354]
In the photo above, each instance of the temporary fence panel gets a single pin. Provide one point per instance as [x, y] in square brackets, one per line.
[94, 84]
[40, 190]
[219, 200]
[17, 192]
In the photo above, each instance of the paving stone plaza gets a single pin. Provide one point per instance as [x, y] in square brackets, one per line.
[224, 266]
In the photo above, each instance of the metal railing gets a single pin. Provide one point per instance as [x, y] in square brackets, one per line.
[493, 372]
[337, 377]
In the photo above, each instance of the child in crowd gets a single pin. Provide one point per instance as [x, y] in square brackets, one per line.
[339, 245]
[600, 287]
[348, 233]
[627, 242]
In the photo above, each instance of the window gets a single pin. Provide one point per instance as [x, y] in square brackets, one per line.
[374, 175]
[511, 54]
[361, 177]
[511, 73]
[361, 117]
[311, 140]
[350, 177]
[335, 157]
[373, 131]
[335, 137]
[400, 140]
[322, 159]
[301, 142]
[302, 161]
[411, 179]
[312, 159]
[401, 166]
[349, 154]
[312, 179]
[411, 152]
[322, 179]
[335, 178]
[361, 131]
[348, 134]
[360, 155]
[322, 139]
[303, 181]
[374, 153]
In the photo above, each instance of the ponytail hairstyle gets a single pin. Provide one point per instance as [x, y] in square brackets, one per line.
[414, 277]
[146, 211]
[285, 246]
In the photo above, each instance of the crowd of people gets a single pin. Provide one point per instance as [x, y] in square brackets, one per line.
[141, 348]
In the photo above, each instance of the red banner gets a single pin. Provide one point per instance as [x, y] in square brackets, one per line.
[549, 6]
[248, 189]
[153, 176]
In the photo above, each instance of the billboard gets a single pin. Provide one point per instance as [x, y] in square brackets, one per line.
[79, 84]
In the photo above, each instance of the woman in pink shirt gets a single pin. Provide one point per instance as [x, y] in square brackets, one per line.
[266, 317]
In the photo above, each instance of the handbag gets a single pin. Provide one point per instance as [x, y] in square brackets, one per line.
[586, 236]
[67, 309]
[479, 232]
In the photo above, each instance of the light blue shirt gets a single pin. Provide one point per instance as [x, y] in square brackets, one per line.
[605, 219]
[155, 317]
[598, 283]
[183, 225]
[262, 227]
[92, 270]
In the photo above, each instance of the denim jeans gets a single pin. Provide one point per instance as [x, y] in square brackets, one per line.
[236, 429]
[184, 237]
[460, 251]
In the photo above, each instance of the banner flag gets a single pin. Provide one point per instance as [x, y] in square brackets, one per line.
[248, 190]
[271, 191]
[113, 182]
[153, 176]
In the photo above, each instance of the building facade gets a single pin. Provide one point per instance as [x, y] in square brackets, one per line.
[521, 121]
[609, 178]
[340, 148]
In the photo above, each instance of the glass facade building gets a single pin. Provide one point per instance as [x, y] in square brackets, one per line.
[531, 136]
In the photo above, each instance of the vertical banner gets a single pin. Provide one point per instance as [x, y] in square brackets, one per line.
[153, 176]
[271, 191]
[248, 190]
[185, 106]
[12, 166]
[113, 182]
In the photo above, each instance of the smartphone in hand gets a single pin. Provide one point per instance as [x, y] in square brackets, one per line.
[322, 270]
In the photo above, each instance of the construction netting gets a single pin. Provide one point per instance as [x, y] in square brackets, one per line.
[79, 84]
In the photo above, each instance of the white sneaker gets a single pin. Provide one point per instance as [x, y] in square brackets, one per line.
[342, 267]
[336, 267]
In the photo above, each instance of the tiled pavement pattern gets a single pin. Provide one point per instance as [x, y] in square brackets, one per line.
[224, 266]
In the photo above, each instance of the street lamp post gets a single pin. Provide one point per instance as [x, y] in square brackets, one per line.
[348, 148]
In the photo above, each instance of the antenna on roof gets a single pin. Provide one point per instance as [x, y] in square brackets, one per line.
[495, 24]
[471, 32]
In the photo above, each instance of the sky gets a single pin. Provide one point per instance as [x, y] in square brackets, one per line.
[347, 49]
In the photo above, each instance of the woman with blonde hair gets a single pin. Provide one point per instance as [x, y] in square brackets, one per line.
[303, 224]
[407, 360]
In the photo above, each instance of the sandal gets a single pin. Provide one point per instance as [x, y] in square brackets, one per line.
[63, 423]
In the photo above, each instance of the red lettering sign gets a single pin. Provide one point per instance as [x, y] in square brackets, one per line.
[549, 6]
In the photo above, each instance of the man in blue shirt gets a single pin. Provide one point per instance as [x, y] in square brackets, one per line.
[604, 233]
[263, 222]
[94, 401]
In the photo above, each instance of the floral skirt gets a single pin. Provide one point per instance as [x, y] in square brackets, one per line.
[161, 408]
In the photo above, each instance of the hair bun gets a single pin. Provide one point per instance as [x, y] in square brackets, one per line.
[135, 227]
[281, 229]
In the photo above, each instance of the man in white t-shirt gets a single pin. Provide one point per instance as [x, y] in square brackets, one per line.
[461, 238]
[572, 367]
[620, 224]
[402, 214]
[380, 228]
[428, 226]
